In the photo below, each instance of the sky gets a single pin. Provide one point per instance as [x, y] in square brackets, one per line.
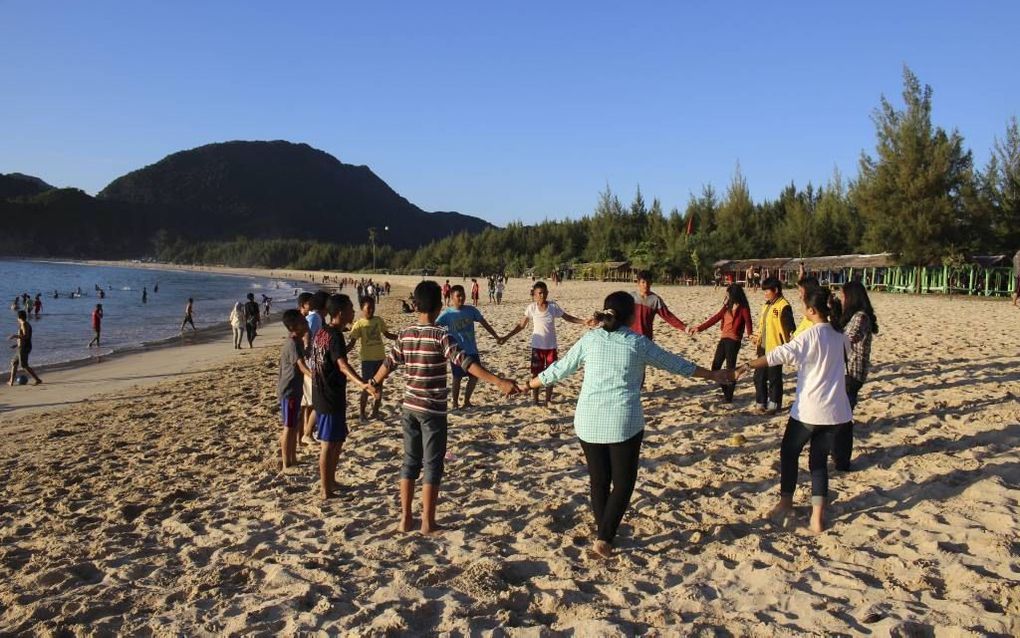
[512, 111]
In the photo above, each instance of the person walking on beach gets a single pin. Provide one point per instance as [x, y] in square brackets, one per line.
[188, 310]
[775, 327]
[543, 314]
[23, 348]
[424, 350]
[97, 324]
[459, 320]
[858, 324]
[237, 324]
[330, 372]
[609, 420]
[252, 319]
[735, 315]
[820, 408]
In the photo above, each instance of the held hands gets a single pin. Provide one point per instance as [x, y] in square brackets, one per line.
[741, 371]
[692, 331]
[592, 322]
[372, 390]
[508, 387]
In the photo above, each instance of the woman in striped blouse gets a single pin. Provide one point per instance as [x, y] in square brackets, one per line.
[609, 420]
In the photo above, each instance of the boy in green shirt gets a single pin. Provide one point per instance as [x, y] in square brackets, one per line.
[371, 330]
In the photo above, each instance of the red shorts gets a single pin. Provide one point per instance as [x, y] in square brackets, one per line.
[541, 359]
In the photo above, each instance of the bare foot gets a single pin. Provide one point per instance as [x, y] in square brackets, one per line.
[405, 525]
[817, 524]
[781, 511]
[433, 528]
[602, 549]
[38, 382]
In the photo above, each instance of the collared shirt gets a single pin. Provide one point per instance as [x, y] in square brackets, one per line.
[609, 406]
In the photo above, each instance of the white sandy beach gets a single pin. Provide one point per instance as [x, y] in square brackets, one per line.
[143, 496]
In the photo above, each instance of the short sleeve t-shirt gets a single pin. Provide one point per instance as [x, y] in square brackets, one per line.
[291, 382]
[370, 333]
[543, 324]
[329, 385]
[314, 324]
[461, 326]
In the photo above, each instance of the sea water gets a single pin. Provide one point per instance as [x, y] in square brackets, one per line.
[64, 327]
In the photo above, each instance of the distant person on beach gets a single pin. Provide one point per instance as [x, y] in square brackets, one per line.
[155, 288]
[820, 408]
[290, 385]
[492, 289]
[609, 419]
[56, 294]
[735, 315]
[38, 304]
[424, 349]
[188, 319]
[102, 294]
[23, 347]
[459, 320]
[648, 306]
[775, 328]
[252, 319]
[543, 314]
[267, 303]
[97, 324]
[474, 292]
[330, 372]
[859, 324]
[237, 324]
[370, 329]
[446, 293]
[500, 289]
[145, 295]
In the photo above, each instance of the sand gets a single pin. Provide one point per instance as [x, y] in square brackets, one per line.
[160, 508]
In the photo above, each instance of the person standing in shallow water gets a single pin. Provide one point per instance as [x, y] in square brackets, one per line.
[252, 319]
[188, 312]
[145, 295]
[97, 324]
[609, 419]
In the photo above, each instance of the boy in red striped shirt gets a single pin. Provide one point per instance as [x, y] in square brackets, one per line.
[424, 350]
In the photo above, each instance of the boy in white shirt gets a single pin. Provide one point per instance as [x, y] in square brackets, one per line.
[543, 314]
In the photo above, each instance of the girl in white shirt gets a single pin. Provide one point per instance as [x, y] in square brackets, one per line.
[820, 406]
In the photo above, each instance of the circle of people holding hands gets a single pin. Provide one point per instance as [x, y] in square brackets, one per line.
[831, 349]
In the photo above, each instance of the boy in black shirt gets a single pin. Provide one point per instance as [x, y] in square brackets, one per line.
[330, 371]
[290, 388]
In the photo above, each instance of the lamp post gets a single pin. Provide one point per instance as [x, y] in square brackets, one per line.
[371, 237]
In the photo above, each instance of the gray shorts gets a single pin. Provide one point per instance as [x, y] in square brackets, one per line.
[424, 445]
[21, 358]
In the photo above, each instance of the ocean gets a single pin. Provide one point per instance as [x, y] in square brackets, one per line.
[63, 330]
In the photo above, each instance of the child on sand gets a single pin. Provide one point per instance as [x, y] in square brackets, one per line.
[736, 317]
[609, 420]
[446, 293]
[459, 320]
[97, 324]
[371, 330]
[775, 326]
[290, 385]
[330, 371]
[860, 324]
[474, 292]
[424, 350]
[648, 306]
[542, 314]
[820, 407]
[23, 348]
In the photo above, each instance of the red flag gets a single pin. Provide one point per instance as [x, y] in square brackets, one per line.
[690, 224]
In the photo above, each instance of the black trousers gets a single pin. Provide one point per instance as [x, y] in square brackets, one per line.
[843, 442]
[727, 351]
[613, 464]
[768, 385]
[797, 435]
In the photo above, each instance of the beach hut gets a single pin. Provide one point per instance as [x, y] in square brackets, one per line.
[604, 271]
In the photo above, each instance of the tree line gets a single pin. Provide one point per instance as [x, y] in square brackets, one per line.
[918, 195]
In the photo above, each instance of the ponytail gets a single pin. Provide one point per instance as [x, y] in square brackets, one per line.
[617, 310]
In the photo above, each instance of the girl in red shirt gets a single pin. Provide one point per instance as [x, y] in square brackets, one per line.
[736, 318]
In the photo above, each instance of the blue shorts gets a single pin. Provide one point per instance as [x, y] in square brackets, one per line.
[290, 412]
[369, 368]
[459, 372]
[332, 427]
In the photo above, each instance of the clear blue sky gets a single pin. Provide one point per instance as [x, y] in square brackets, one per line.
[511, 110]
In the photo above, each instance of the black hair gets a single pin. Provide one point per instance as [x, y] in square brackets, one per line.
[319, 300]
[428, 297]
[617, 310]
[772, 284]
[457, 288]
[808, 282]
[336, 304]
[22, 315]
[251, 296]
[818, 300]
[539, 285]
[857, 301]
[304, 298]
[367, 299]
[644, 274]
[190, 300]
[735, 296]
[292, 318]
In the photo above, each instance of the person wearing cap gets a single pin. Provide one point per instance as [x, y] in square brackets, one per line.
[776, 327]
